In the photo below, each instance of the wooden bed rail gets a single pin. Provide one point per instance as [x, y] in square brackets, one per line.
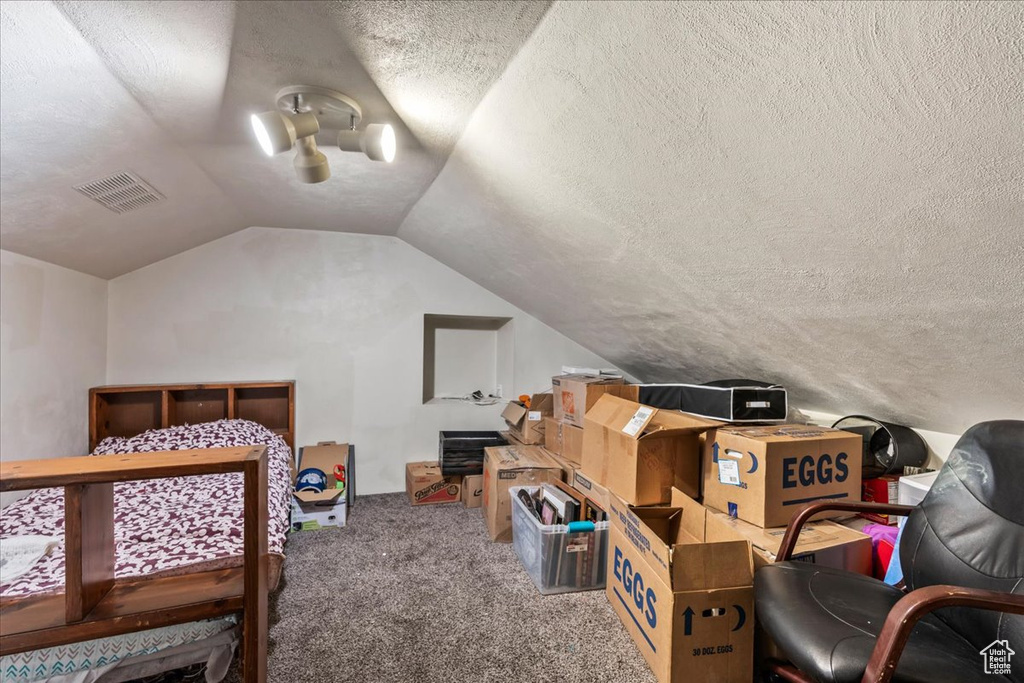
[95, 604]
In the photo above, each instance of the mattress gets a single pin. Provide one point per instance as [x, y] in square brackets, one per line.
[161, 527]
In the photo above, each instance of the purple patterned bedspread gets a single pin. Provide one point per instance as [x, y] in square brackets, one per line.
[165, 526]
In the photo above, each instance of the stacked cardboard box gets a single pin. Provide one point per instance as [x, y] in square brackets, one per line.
[507, 466]
[426, 485]
[527, 422]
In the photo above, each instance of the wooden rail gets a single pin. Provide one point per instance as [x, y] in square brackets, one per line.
[95, 604]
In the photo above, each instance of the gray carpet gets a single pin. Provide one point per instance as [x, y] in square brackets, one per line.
[421, 594]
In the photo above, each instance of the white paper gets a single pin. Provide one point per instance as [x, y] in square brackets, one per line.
[729, 472]
[534, 416]
[637, 422]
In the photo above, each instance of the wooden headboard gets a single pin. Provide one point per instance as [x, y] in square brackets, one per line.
[131, 410]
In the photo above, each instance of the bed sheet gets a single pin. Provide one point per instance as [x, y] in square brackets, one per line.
[163, 526]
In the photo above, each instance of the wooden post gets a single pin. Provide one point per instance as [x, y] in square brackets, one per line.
[88, 546]
[255, 613]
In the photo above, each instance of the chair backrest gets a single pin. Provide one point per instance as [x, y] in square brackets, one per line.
[969, 529]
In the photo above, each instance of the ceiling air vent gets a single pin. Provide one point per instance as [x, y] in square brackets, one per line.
[121, 192]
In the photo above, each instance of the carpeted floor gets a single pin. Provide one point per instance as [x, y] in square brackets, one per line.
[421, 594]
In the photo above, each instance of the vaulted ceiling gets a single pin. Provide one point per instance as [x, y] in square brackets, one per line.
[827, 195]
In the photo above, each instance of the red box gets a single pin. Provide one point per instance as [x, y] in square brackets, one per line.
[884, 489]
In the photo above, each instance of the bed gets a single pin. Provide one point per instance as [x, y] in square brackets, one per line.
[181, 526]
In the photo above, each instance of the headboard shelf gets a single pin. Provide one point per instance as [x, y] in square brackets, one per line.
[128, 410]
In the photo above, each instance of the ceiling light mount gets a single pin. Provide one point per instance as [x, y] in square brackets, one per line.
[333, 109]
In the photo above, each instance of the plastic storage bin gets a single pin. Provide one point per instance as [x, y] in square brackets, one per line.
[914, 487]
[556, 560]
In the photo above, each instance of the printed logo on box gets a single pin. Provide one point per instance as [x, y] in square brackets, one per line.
[996, 656]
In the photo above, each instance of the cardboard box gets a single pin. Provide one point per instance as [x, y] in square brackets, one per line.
[574, 395]
[473, 490]
[884, 489]
[312, 509]
[568, 466]
[823, 543]
[688, 603]
[506, 466]
[765, 474]
[425, 485]
[640, 452]
[563, 439]
[591, 489]
[527, 424]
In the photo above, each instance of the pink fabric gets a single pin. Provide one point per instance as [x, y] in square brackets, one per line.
[163, 526]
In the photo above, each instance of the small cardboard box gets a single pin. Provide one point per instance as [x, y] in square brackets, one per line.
[574, 395]
[687, 602]
[765, 474]
[425, 485]
[313, 509]
[473, 490]
[552, 435]
[640, 452]
[824, 543]
[506, 466]
[883, 489]
[527, 424]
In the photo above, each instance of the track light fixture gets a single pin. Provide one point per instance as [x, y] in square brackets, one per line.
[302, 112]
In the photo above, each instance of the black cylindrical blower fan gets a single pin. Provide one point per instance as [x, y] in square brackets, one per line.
[888, 447]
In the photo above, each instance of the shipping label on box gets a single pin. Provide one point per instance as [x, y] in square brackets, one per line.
[527, 425]
[764, 475]
[425, 485]
[687, 603]
[507, 466]
[574, 395]
[639, 453]
[473, 490]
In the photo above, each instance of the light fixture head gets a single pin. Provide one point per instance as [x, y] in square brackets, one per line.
[277, 132]
[377, 141]
[310, 163]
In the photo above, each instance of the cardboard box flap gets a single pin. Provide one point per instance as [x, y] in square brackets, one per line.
[814, 536]
[520, 457]
[514, 413]
[324, 456]
[786, 433]
[637, 421]
[701, 566]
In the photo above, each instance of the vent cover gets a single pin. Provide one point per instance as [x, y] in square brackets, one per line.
[121, 192]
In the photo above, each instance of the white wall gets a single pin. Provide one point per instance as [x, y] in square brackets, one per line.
[53, 327]
[342, 314]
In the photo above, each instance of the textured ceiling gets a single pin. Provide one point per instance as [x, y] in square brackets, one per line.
[821, 194]
[165, 88]
[828, 195]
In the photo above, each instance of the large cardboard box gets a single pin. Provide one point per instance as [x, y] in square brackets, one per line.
[765, 474]
[327, 508]
[473, 490]
[568, 466]
[574, 395]
[687, 602]
[526, 425]
[425, 485]
[563, 439]
[506, 466]
[640, 452]
[824, 542]
[591, 489]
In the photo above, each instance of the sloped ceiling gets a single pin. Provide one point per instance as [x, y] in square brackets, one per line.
[164, 89]
[827, 195]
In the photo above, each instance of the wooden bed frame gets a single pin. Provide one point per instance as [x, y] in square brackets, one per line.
[95, 604]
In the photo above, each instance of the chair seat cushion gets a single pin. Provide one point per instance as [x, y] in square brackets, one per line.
[826, 621]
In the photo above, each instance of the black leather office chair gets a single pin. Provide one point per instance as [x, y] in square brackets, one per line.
[962, 554]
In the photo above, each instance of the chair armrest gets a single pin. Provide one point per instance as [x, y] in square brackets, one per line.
[811, 509]
[914, 605]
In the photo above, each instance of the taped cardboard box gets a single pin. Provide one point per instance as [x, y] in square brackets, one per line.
[563, 439]
[574, 395]
[425, 485]
[568, 467]
[640, 453]
[527, 424]
[824, 543]
[687, 602]
[320, 509]
[473, 490]
[764, 475]
[591, 489]
[506, 466]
